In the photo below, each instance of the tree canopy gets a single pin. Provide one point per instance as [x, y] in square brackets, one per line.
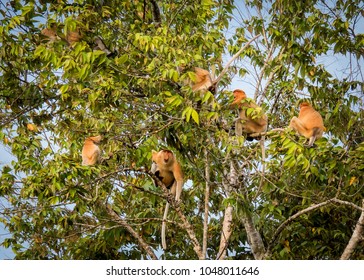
[123, 70]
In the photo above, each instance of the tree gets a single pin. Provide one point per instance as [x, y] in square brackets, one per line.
[123, 69]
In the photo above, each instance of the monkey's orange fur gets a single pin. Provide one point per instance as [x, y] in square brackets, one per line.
[73, 36]
[203, 80]
[91, 151]
[166, 167]
[309, 123]
[50, 33]
[168, 170]
[252, 123]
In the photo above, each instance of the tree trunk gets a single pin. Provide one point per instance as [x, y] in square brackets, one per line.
[207, 198]
[254, 238]
[232, 178]
[226, 232]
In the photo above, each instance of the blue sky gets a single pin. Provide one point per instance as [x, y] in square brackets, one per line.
[5, 158]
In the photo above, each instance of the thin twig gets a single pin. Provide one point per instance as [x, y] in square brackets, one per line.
[217, 80]
[125, 225]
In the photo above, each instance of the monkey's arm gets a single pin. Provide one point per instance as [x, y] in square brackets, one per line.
[179, 180]
[94, 158]
[91, 156]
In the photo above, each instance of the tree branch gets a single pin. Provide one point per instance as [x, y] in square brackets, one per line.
[254, 238]
[355, 238]
[232, 179]
[226, 232]
[217, 80]
[125, 225]
[305, 211]
[186, 224]
[260, 134]
[207, 198]
[262, 72]
[156, 12]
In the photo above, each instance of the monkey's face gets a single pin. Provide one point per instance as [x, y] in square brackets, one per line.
[167, 154]
[239, 95]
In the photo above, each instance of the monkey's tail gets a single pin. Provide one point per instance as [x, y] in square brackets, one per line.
[164, 244]
[262, 146]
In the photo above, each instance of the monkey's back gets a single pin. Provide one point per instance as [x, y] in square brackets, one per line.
[311, 118]
[90, 152]
[203, 80]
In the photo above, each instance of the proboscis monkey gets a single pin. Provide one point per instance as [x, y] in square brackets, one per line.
[166, 167]
[203, 80]
[308, 124]
[249, 121]
[73, 36]
[50, 33]
[91, 151]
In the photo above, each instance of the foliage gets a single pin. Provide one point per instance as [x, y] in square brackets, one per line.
[54, 94]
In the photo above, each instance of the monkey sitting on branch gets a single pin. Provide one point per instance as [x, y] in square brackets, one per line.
[309, 123]
[166, 167]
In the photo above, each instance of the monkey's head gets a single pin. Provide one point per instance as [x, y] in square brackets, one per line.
[167, 154]
[96, 139]
[304, 104]
[239, 95]
[201, 74]
[164, 155]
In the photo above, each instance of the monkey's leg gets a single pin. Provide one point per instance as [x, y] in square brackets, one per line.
[311, 141]
[238, 127]
[316, 133]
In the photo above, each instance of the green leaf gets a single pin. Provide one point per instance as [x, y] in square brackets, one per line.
[195, 116]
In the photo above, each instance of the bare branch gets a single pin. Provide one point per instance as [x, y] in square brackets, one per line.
[355, 238]
[156, 12]
[262, 72]
[267, 132]
[207, 198]
[226, 232]
[231, 180]
[254, 238]
[188, 227]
